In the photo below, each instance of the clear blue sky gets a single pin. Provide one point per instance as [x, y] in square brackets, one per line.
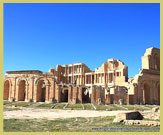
[38, 36]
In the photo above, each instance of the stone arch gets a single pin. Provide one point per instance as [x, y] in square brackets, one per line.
[85, 95]
[146, 93]
[20, 79]
[64, 95]
[42, 91]
[22, 90]
[7, 87]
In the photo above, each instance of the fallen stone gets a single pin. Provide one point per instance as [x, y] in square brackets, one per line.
[134, 115]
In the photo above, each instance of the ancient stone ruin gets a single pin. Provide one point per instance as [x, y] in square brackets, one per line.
[76, 83]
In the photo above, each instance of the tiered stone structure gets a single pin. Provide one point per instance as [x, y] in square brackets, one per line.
[144, 88]
[76, 83]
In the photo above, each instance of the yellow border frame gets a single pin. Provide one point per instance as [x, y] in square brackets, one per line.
[67, 1]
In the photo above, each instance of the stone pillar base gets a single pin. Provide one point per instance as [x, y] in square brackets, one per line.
[11, 99]
[35, 101]
[26, 100]
[51, 100]
[47, 101]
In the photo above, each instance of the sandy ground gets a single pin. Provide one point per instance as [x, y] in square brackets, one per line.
[51, 114]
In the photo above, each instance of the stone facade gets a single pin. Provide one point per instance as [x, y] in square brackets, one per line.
[76, 83]
[144, 88]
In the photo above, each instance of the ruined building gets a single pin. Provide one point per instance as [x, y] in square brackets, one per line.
[76, 83]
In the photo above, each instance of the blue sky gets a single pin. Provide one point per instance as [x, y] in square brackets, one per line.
[40, 36]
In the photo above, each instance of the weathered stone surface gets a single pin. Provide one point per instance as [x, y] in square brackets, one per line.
[153, 114]
[133, 115]
[107, 84]
[145, 86]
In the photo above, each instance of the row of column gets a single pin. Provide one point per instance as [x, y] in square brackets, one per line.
[73, 69]
[74, 94]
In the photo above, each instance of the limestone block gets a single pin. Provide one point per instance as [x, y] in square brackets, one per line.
[133, 115]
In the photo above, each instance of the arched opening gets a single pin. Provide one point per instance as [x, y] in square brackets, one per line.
[85, 96]
[6, 90]
[41, 91]
[21, 90]
[146, 93]
[64, 95]
[158, 88]
[157, 62]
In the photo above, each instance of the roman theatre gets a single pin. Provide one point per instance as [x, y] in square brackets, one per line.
[76, 83]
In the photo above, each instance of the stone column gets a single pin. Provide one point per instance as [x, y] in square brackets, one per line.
[16, 94]
[74, 95]
[79, 80]
[68, 74]
[70, 94]
[105, 76]
[31, 87]
[10, 98]
[80, 94]
[58, 93]
[102, 95]
[93, 94]
[47, 86]
[65, 70]
[72, 73]
[98, 93]
[143, 95]
[99, 76]
[35, 93]
[52, 92]
[14, 88]
[26, 92]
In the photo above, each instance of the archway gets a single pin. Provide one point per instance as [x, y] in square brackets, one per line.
[64, 95]
[21, 90]
[146, 93]
[85, 96]
[41, 91]
[6, 90]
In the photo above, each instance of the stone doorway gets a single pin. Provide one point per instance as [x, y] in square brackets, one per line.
[6, 90]
[21, 90]
[146, 94]
[41, 91]
[64, 95]
[85, 96]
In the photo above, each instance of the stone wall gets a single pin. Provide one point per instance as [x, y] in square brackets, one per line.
[98, 95]
[76, 83]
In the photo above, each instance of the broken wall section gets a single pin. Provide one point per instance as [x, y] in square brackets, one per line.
[97, 95]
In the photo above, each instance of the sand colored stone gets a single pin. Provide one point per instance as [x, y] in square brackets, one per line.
[76, 83]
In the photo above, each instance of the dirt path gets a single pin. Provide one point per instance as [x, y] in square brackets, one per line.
[51, 114]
